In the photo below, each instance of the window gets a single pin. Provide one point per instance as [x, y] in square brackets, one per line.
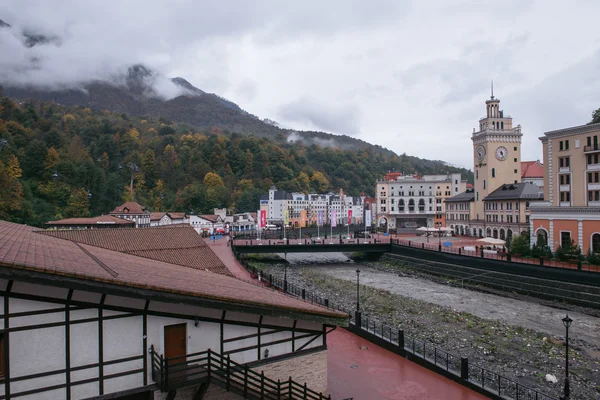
[484, 184]
[515, 159]
[560, 146]
[565, 196]
[493, 172]
[596, 242]
[515, 148]
[565, 238]
[564, 162]
[565, 179]
[476, 176]
[594, 195]
[566, 145]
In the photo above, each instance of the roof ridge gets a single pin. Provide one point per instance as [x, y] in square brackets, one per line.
[112, 273]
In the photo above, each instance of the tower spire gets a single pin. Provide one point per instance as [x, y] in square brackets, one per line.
[492, 89]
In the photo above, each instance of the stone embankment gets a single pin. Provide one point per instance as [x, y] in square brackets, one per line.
[521, 340]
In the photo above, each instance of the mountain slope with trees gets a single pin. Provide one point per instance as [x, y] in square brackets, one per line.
[60, 162]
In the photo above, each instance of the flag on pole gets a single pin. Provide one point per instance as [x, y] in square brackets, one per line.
[263, 218]
[349, 217]
[333, 219]
[286, 217]
[368, 218]
[320, 218]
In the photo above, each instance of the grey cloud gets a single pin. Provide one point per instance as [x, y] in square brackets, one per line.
[342, 119]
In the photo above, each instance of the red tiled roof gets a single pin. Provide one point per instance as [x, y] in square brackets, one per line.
[103, 219]
[177, 215]
[131, 206]
[22, 247]
[180, 244]
[469, 186]
[209, 217]
[532, 169]
[156, 216]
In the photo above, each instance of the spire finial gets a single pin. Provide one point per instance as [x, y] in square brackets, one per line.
[492, 89]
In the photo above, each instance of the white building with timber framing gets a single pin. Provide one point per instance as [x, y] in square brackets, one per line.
[80, 321]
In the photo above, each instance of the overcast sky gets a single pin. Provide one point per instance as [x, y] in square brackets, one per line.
[410, 76]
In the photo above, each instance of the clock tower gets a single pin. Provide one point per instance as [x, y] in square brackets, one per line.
[496, 153]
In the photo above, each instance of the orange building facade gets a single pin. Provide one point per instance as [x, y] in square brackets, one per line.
[571, 190]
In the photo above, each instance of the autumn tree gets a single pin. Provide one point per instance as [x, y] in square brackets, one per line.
[77, 204]
[52, 158]
[11, 195]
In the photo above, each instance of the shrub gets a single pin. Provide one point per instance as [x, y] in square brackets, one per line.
[593, 258]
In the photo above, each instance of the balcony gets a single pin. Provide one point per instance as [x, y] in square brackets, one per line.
[593, 167]
[564, 204]
[565, 188]
[594, 203]
[564, 169]
[595, 148]
[208, 367]
[593, 186]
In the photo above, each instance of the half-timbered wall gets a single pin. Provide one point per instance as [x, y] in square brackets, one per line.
[70, 344]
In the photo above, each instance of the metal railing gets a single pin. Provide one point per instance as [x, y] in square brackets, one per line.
[432, 356]
[209, 366]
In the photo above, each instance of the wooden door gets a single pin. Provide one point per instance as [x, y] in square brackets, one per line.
[175, 342]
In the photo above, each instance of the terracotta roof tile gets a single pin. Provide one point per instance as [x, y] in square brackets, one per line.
[156, 216]
[103, 219]
[132, 208]
[177, 215]
[176, 244]
[21, 247]
[532, 169]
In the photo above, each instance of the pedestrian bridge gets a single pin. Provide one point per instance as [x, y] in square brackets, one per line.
[311, 246]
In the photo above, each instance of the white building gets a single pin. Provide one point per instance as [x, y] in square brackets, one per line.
[408, 202]
[132, 211]
[84, 322]
[309, 205]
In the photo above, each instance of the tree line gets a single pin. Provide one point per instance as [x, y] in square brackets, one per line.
[60, 162]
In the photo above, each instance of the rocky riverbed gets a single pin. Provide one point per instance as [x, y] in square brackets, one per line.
[521, 340]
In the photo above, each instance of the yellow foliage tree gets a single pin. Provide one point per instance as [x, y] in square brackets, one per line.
[52, 158]
[14, 169]
[212, 180]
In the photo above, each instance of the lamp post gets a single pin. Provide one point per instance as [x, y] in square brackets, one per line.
[567, 323]
[285, 274]
[358, 290]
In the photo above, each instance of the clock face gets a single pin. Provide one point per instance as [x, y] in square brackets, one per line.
[480, 153]
[501, 153]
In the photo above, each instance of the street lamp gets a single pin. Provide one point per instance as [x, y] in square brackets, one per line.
[567, 323]
[358, 290]
[285, 274]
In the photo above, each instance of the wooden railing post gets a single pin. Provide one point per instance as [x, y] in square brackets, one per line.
[245, 381]
[305, 390]
[278, 389]
[262, 384]
[228, 372]
[162, 372]
[290, 388]
[208, 368]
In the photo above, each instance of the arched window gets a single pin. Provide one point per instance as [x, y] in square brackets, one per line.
[411, 205]
[502, 125]
[542, 237]
[488, 232]
[421, 205]
[502, 235]
[596, 242]
[495, 233]
[401, 205]
[493, 172]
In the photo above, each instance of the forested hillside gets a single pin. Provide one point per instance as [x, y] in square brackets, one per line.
[59, 162]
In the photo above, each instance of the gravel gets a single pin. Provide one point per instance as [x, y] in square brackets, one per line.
[514, 336]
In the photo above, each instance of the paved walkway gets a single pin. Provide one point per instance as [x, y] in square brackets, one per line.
[220, 248]
[360, 370]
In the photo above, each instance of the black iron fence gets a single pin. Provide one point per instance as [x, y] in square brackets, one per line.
[433, 357]
[209, 366]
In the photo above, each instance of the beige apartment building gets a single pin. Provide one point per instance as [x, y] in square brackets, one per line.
[408, 202]
[499, 204]
[571, 189]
